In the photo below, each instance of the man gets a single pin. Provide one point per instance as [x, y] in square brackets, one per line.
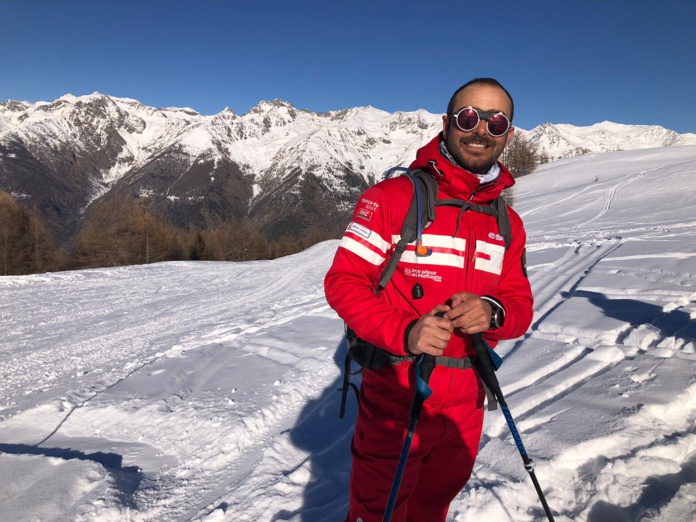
[469, 274]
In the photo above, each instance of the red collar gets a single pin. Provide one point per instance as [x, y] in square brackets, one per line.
[457, 182]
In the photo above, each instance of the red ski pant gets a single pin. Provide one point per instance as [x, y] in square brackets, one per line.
[442, 453]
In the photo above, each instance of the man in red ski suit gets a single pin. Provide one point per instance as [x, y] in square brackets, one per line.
[470, 275]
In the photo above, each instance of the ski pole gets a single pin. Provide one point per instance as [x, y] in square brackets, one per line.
[487, 374]
[424, 366]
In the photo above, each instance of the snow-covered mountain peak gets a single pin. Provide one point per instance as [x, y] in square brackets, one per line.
[686, 139]
[269, 158]
[183, 110]
[357, 114]
[268, 115]
[227, 112]
[414, 122]
[566, 140]
[14, 106]
[276, 106]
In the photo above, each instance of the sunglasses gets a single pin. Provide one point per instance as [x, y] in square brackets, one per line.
[497, 124]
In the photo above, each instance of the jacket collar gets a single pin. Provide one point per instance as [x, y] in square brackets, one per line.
[457, 182]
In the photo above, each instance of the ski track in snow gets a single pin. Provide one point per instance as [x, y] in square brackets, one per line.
[611, 196]
[256, 426]
[605, 401]
[585, 359]
[269, 305]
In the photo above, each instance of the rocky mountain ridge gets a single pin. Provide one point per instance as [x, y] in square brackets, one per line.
[288, 169]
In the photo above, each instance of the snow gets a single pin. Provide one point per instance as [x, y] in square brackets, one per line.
[207, 391]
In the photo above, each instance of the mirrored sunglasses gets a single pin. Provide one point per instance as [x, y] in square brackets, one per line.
[497, 124]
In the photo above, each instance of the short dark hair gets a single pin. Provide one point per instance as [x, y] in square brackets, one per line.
[492, 82]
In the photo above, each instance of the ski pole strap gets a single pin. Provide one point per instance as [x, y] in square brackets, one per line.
[423, 369]
[485, 369]
[346, 386]
[490, 397]
[425, 364]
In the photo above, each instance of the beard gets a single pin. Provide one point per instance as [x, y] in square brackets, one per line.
[475, 153]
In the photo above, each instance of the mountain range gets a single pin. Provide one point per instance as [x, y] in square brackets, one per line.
[289, 170]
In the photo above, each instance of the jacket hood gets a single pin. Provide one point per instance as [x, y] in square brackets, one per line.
[456, 181]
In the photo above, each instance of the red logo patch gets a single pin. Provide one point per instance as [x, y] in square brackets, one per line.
[365, 214]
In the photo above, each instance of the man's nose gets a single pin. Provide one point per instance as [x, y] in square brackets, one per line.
[481, 128]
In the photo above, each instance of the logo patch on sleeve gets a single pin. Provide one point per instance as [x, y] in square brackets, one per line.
[360, 230]
[365, 214]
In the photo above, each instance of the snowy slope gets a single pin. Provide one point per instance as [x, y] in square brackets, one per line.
[207, 391]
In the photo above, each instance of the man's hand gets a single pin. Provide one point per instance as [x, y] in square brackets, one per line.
[431, 333]
[469, 313]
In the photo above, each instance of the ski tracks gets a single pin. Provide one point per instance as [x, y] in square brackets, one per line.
[606, 371]
[612, 194]
[241, 440]
[198, 432]
[553, 284]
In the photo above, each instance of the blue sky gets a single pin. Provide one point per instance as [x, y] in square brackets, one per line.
[564, 61]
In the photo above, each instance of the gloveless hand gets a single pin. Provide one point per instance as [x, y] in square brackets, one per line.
[469, 313]
[431, 333]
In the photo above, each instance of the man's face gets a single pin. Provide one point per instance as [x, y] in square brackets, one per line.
[476, 150]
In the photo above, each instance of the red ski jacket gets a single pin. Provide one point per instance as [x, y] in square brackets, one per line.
[468, 254]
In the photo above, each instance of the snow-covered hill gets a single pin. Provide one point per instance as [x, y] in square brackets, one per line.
[207, 391]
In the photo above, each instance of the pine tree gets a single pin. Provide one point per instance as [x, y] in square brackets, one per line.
[126, 232]
[520, 156]
[26, 246]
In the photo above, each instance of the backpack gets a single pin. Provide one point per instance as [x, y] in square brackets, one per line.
[421, 213]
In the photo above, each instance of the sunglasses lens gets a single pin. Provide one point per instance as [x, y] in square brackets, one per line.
[498, 125]
[467, 119]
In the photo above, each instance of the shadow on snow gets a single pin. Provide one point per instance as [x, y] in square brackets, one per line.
[326, 439]
[675, 323]
[126, 479]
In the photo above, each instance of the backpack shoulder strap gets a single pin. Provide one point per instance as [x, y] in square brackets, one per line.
[504, 227]
[420, 213]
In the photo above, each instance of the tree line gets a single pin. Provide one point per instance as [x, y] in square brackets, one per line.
[127, 232]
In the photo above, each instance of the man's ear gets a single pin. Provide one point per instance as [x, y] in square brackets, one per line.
[445, 126]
